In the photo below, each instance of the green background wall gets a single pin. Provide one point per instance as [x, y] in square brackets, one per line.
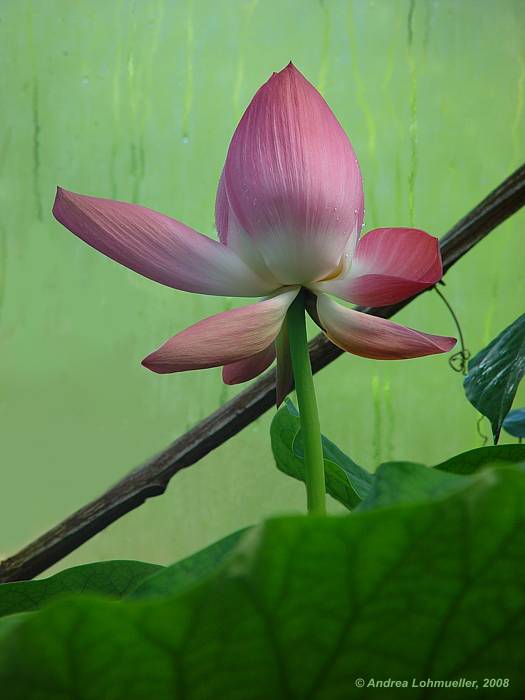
[137, 100]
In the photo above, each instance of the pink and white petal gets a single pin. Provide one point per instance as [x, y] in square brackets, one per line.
[223, 339]
[232, 235]
[292, 179]
[376, 338]
[244, 370]
[389, 265]
[157, 246]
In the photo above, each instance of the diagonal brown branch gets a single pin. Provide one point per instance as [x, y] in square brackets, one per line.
[152, 478]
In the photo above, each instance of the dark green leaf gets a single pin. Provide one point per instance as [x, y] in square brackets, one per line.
[483, 457]
[346, 481]
[407, 482]
[113, 578]
[495, 372]
[189, 571]
[514, 423]
[304, 608]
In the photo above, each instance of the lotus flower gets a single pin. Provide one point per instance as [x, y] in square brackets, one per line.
[289, 213]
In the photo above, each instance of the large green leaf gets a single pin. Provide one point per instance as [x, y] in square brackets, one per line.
[306, 607]
[407, 482]
[346, 481]
[482, 457]
[113, 578]
[495, 372]
[188, 571]
[9, 622]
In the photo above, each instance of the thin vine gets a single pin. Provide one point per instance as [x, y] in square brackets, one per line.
[459, 360]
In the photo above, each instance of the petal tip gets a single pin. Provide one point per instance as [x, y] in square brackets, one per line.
[152, 363]
[289, 71]
[63, 198]
[447, 343]
[59, 195]
[146, 362]
[227, 377]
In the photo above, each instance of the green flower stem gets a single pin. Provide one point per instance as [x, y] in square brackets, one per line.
[304, 387]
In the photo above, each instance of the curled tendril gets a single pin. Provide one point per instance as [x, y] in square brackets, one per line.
[480, 432]
[459, 360]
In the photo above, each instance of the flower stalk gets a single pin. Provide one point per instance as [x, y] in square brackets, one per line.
[310, 427]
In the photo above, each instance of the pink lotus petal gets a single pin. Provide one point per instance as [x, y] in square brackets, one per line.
[292, 180]
[377, 338]
[156, 246]
[222, 208]
[231, 234]
[223, 339]
[389, 265]
[244, 370]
